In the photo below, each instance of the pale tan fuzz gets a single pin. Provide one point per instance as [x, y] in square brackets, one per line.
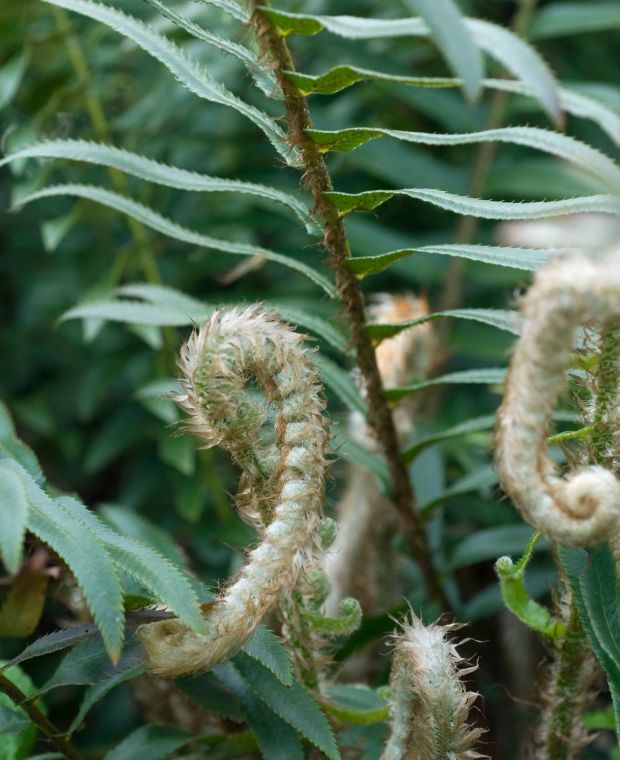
[357, 563]
[582, 509]
[281, 485]
[430, 705]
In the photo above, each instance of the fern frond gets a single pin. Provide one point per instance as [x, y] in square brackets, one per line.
[171, 229]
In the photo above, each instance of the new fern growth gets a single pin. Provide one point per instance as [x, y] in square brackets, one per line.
[431, 705]
[583, 509]
[282, 484]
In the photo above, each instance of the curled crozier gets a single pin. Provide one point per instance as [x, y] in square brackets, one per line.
[583, 508]
[240, 367]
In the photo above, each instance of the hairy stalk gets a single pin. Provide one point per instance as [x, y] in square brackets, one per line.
[43, 723]
[361, 563]
[281, 488]
[101, 129]
[605, 419]
[316, 177]
[567, 691]
[430, 703]
[583, 509]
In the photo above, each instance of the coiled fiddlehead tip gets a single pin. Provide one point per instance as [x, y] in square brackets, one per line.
[242, 364]
[430, 703]
[582, 509]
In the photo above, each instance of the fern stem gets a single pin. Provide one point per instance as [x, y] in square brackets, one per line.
[45, 725]
[561, 734]
[605, 414]
[318, 181]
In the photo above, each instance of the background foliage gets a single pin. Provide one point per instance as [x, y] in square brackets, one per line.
[84, 384]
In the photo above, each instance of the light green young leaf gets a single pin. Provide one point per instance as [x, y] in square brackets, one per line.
[14, 510]
[475, 425]
[84, 554]
[488, 376]
[171, 229]
[507, 48]
[292, 703]
[478, 207]
[509, 321]
[564, 19]
[528, 259]
[454, 39]
[147, 566]
[330, 331]
[188, 71]
[260, 73]
[154, 171]
[135, 312]
[568, 148]
[517, 599]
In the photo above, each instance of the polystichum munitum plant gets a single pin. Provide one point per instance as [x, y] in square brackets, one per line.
[226, 593]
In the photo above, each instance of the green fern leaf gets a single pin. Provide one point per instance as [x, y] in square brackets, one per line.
[568, 148]
[515, 258]
[14, 510]
[186, 69]
[487, 376]
[145, 565]
[84, 554]
[483, 209]
[154, 171]
[171, 229]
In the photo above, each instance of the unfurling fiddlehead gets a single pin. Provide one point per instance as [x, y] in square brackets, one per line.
[281, 489]
[583, 509]
[430, 703]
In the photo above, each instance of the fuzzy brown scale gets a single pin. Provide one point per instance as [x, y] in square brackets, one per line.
[233, 347]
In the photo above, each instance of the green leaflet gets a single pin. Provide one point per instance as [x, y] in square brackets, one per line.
[229, 6]
[154, 742]
[568, 18]
[568, 148]
[347, 622]
[55, 642]
[517, 599]
[292, 703]
[475, 425]
[593, 579]
[98, 691]
[83, 553]
[478, 207]
[277, 740]
[166, 306]
[528, 259]
[455, 41]
[165, 226]
[509, 321]
[260, 73]
[356, 704]
[188, 71]
[488, 543]
[487, 376]
[511, 51]
[14, 510]
[265, 647]
[483, 478]
[154, 171]
[340, 382]
[340, 77]
[168, 584]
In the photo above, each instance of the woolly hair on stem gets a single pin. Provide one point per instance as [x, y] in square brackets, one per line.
[241, 364]
[582, 509]
[430, 703]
